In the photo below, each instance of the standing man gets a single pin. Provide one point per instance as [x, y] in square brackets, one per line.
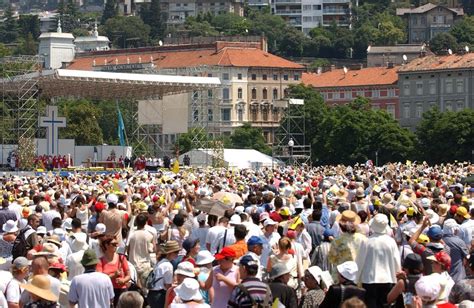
[112, 218]
[27, 238]
[91, 289]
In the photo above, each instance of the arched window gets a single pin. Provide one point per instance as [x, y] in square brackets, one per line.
[239, 93]
[275, 93]
[265, 94]
[254, 93]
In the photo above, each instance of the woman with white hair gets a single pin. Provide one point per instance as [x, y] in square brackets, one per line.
[458, 249]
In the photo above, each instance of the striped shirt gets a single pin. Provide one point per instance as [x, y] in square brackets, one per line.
[256, 289]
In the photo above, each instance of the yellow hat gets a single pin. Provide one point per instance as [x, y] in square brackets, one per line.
[423, 239]
[285, 211]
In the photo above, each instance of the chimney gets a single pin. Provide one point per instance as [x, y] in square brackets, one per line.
[390, 64]
[333, 67]
[264, 43]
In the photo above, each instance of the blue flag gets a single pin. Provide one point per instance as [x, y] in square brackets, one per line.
[121, 128]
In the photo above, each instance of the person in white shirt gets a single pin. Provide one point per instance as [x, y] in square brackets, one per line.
[270, 240]
[91, 289]
[213, 234]
[73, 261]
[48, 216]
[20, 270]
[201, 232]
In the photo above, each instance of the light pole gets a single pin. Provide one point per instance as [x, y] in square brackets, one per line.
[291, 144]
[376, 158]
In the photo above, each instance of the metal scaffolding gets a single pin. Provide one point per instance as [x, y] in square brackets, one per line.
[20, 91]
[290, 138]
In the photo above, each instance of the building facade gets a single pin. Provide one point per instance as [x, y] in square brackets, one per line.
[378, 84]
[308, 14]
[378, 56]
[252, 81]
[426, 21]
[444, 82]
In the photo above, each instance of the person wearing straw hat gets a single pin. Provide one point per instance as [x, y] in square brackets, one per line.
[162, 275]
[41, 295]
[185, 269]
[91, 289]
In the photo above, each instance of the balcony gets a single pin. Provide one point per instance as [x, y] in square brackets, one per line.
[288, 12]
[336, 1]
[287, 1]
[336, 11]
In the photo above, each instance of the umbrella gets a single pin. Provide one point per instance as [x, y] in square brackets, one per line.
[212, 207]
[227, 197]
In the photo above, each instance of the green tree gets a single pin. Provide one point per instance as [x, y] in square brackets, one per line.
[108, 120]
[248, 137]
[199, 28]
[152, 16]
[110, 11]
[292, 42]
[4, 51]
[463, 30]
[442, 42]
[447, 136]
[82, 124]
[231, 24]
[271, 26]
[29, 24]
[185, 141]
[9, 28]
[126, 31]
[27, 46]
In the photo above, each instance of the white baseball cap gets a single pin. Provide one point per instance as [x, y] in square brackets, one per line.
[112, 198]
[269, 222]
[100, 228]
[235, 220]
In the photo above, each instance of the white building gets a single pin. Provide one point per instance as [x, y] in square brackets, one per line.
[95, 42]
[56, 48]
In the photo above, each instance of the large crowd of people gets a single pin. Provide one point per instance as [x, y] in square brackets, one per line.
[398, 235]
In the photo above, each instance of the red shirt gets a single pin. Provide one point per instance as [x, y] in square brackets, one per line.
[110, 268]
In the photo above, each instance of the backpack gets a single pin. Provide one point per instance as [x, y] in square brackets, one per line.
[20, 245]
[151, 280]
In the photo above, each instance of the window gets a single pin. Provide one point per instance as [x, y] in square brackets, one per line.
[225, 93]
[391, 110]
[240, 113]
[254, 93]
[265, 110]
[264, 94]
[275, 77]
[419, 110]
[459, 105]
[239, 93]
[253, 112]
[285, 92]
[285, 77]
[296, 77]
[225, 76]
[307, 18]
[317, 7]
[449, 106]
[460, 86]
[419, 88]
[406, 111]
[264, 77]
[406, 89]
[225, 114]
[375, 93]
[210, 115]
[275, 93]
[209, 94]
[432, 87]
[254, 76]
[306, 7]
[449, 86]
[348, 95]
[239, 76]
[209, 75]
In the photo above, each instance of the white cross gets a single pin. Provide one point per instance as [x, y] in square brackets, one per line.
[52, 123]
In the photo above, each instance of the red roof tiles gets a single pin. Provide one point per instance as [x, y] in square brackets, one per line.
[227, 56]
[364, 77]
[434, 63]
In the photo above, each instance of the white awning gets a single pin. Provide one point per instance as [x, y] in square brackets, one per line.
[109, 85]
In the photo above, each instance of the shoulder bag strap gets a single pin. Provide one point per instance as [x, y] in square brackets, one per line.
[223, 243]
[267, 297]
[342, 293]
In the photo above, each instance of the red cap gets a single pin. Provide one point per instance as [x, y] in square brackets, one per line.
[58, 266]
[226, 252]
[291, 234]
[453, 209]
[443, 258]
[99, 206]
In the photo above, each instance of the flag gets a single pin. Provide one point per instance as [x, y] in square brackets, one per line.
[175, 166]
[121, 128]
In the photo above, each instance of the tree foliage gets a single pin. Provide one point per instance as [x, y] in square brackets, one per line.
[185, 141]
[126, 31]
[152, 16]
[446, 136]
[441, 42]
[351, 133]
[248, 137]
[82, 124]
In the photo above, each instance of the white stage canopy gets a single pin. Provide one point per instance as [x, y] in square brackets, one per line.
[105, 85]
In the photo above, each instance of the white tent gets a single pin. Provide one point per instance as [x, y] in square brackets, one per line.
[237, 158]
